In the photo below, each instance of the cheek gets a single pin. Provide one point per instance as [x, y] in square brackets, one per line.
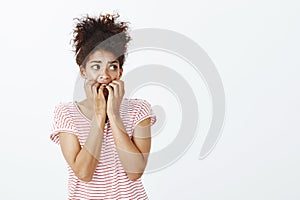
[92, 76]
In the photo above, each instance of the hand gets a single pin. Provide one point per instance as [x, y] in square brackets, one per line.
[115, 95]
[96, 96]
[99, 101]
[88, 86]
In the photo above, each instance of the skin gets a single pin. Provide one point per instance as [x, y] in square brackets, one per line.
[133, 153]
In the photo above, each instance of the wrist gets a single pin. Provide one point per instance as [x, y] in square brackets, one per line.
[113, 116]
[100, 118]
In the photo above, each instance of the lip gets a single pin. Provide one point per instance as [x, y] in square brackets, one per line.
[104, 83]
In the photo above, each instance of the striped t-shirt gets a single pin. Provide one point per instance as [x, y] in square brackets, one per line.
[110, 180]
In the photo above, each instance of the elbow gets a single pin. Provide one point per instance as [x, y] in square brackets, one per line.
[83, 176]
[134, 176]
[83, 173]
[136, 172]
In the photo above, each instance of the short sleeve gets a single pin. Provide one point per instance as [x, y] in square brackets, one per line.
[144, 111]
[62, 122]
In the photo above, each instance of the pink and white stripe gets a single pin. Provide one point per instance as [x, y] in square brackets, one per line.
[110, 180]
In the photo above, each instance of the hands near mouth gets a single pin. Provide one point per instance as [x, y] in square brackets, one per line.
[106, 98]
[115, 96]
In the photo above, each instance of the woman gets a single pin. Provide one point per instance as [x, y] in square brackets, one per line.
[105, 139]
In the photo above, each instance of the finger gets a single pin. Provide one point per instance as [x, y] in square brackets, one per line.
[96, 84]
[120, 84]
[95, 89]
[115, 88]
[100, 91]
[110, 91]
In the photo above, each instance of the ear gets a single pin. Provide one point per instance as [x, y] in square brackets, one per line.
[82, 72]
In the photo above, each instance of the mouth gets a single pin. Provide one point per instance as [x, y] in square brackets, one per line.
[105, 91]
[104, 84]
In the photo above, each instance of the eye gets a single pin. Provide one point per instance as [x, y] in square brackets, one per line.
[95, 67]
[113, 67]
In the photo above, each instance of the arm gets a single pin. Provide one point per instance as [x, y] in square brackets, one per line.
[133, 153]
[83, 161]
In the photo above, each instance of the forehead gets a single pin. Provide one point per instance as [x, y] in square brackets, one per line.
[102, 55]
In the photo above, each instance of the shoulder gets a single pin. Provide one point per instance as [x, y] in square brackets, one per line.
[134, 105]
[63, 107]
[135, 102]
[137, 106]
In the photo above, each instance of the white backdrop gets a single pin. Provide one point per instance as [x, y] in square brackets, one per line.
[254, 45]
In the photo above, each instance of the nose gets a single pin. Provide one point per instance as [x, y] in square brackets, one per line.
[103, 76]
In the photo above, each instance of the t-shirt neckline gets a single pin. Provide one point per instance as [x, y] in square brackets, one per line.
[79, 111]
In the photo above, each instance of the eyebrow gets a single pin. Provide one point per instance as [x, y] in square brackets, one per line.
[99, 61]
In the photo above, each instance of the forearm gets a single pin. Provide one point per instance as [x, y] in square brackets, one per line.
[87, 158]
[132, 159]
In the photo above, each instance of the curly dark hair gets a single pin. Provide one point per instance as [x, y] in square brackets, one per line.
[103, 32]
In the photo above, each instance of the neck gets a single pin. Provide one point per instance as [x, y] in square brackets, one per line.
[86, 107]
[88, 104]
